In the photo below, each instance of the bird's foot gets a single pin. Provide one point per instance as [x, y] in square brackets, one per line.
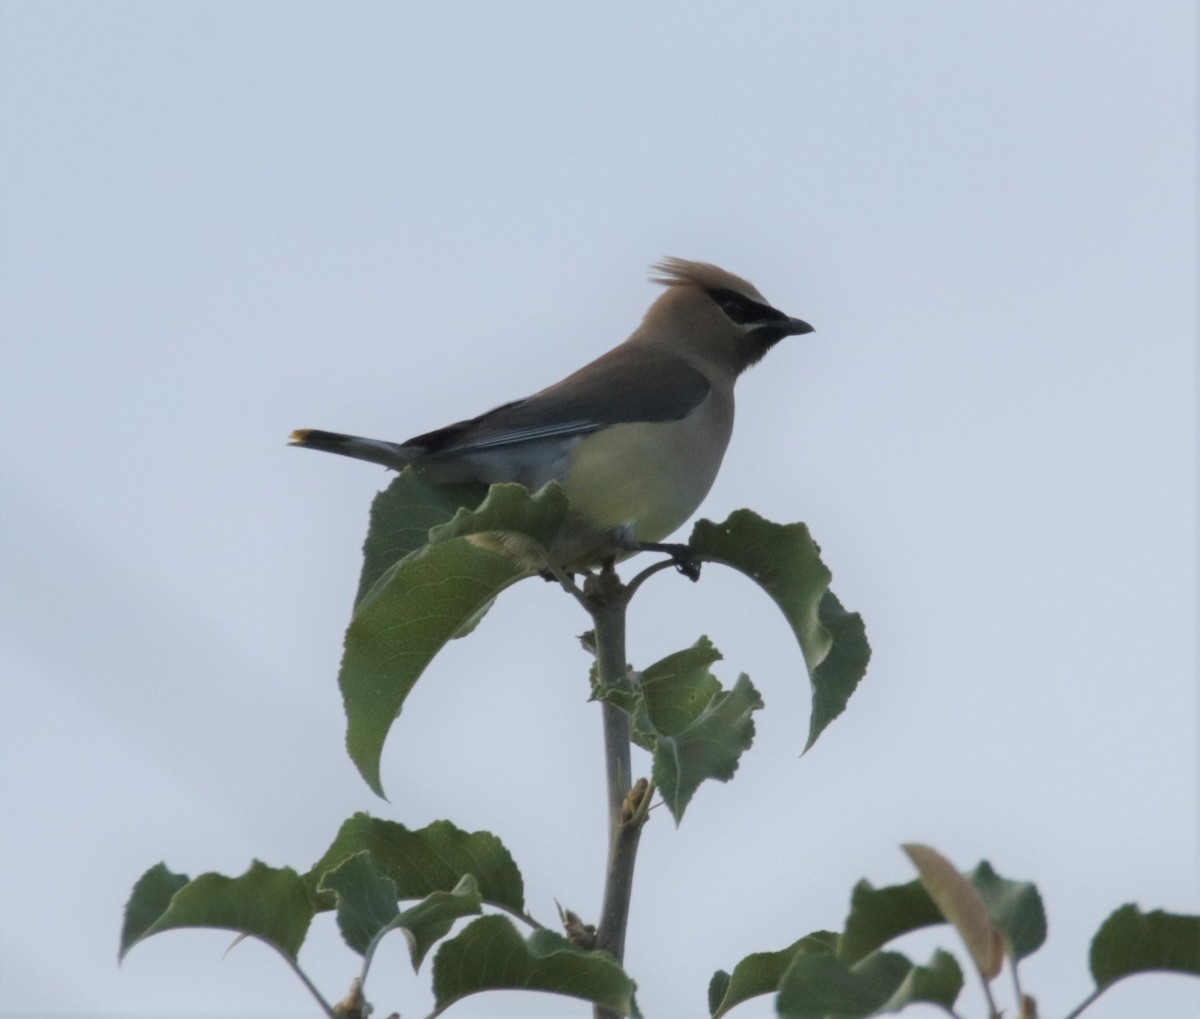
[686, 561]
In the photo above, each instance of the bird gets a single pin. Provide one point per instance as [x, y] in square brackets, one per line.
[635, 437]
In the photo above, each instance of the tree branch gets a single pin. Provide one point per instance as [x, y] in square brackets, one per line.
[607, 599]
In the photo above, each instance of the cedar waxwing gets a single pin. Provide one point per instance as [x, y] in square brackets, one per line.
[636, 437]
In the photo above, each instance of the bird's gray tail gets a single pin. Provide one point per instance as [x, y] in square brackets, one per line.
[389, 454]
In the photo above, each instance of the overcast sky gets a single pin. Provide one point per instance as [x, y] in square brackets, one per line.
[225, 221]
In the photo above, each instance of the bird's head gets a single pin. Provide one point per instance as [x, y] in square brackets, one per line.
[716, 315]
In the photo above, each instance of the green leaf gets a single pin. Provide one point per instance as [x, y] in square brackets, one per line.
[147, 902]
[401, 518]
[676, 691]
[1013, 906]
[366, 900]
[699, 730]
[430, 920]
[762, 972]
[430, 859]
[509, 509]
[1131, 941]
[266, 903]
[425, 601]
[819, 985]
[367, 910]
[939, 983]
[785, 561]
[877, 915]
[694, 728]
[835, 679]
[490, 955]
[408, 610]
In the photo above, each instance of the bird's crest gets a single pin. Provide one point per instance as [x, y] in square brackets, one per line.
[677, 272]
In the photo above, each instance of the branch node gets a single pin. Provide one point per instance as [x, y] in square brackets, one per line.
[581, 934]
[637, 802]
[354, 1005]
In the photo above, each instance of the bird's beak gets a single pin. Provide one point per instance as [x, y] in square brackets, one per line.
[796, 327]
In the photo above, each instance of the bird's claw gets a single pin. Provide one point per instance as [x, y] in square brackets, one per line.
[687, 564]
[686, 561]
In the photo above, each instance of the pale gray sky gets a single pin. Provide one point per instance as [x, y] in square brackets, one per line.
[225, 221]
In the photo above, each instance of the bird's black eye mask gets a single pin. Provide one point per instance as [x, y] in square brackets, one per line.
[742, 310]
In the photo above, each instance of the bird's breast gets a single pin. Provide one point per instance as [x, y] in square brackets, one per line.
[649, 475]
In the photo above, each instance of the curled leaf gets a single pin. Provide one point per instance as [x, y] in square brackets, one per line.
[961, 904]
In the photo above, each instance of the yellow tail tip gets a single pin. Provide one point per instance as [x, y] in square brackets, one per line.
[299, 437]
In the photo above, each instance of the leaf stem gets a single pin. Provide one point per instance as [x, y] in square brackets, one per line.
[646, 574]
[312, 988]
[525, 918]
[1016, 979]
[1086, 1001]
[566, 581]
[993, 1012]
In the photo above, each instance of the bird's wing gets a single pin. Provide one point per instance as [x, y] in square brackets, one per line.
[638, 386]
